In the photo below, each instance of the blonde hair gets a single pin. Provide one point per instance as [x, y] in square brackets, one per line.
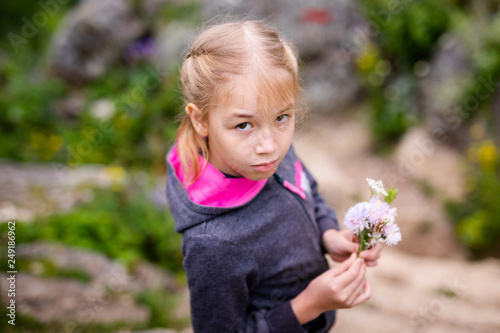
[248, 50]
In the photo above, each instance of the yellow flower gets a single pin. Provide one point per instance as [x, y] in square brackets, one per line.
[367, 59]
[488, 152]
[45, 143]
[115, 173]
[488, 156]
[116, 176]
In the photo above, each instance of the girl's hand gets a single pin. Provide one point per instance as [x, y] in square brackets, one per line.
[371, 255]
[344, 286]
[340, 244]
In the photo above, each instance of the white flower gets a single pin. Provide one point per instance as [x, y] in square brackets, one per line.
[377, 187]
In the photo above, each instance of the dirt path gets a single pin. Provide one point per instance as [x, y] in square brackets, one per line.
[424, 284]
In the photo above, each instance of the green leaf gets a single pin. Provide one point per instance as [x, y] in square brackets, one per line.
[391, 195]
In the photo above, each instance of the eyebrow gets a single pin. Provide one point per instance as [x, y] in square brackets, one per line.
[241, 115]
[249, 115]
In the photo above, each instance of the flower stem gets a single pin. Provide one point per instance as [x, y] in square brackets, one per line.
[362, 241]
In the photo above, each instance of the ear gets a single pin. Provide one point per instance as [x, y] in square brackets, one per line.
[195, 113]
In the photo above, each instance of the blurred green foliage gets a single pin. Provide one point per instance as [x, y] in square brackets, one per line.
[122, 224]
[402, 33]
[142, 101]
[137, 133]
[125, 119]
[162, 309]
[480, 37]
[476, 217]
[407, 31]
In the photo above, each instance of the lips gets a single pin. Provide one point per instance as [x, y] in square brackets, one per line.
[264, 167]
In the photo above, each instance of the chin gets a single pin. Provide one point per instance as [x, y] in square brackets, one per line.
[260, 176]
[257, 178]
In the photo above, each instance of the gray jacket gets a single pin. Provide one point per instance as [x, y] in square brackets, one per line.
[245, 262]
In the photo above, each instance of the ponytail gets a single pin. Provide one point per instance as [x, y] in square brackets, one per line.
[189, 145]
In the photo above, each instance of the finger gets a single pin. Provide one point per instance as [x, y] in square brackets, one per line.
[354, 238]
[348, 243]
[340, 257]
[346, 280]
[357, 285]
[344, 266]
[363, 297]
[373, 253]
[359, 289]
[349, 234]
[372, 263]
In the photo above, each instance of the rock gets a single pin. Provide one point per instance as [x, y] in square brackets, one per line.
[91, 39]
[442, 91]
[147, 276]
[496, 113]
[67, 300]
[35, 190]
[330, 85]
[105, 273]
[171, 43]
[70, 106]
[107, 298]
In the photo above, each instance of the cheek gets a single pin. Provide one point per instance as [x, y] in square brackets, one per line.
[242, 144]
[285, 137]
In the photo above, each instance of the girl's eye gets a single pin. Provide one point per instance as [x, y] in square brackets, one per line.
[244, 126]
[282, 118]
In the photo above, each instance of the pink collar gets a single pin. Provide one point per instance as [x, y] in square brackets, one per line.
[213, 188]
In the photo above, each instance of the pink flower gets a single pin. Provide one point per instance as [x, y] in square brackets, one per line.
[393, 235]
[373, 221]
[356, 216]
[379, 210]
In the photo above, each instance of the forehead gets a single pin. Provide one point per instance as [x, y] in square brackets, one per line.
[258, 94]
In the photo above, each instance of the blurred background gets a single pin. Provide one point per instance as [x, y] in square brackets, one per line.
[399, 90]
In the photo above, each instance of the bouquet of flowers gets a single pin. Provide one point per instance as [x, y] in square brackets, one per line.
[373, 221]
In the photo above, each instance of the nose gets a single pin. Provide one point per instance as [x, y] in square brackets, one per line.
[266, 143]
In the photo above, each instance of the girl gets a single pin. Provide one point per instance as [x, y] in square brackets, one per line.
[255, 229]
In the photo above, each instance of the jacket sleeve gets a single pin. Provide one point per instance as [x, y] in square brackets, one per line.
[220, 275]
[325, 216]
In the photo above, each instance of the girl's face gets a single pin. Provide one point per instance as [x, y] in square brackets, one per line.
[245, 142]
